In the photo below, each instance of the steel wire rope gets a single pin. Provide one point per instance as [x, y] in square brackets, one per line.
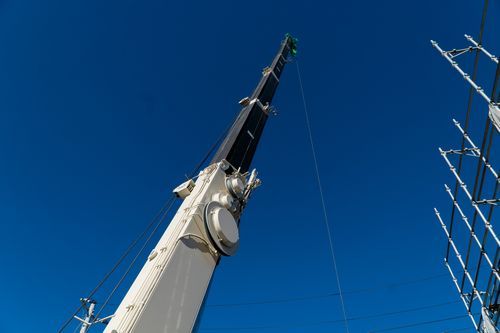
[197, 168]
[463, 329]
[326, 295]
[467, 116]
[76, 329]
[117, 264]
[491, 129]
[420, 323]
[320, 187]
[489, 133]
[457, 184]
[335, 321]
[213, 146]
[131, 265]
[168, 203]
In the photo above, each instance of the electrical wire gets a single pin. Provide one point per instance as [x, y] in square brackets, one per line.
[481, 171]
[329, 322]
[168, 203]
[131, 265]
[116, 265]
[213, 147]
[420, 323]
[327, 295]
[467, 117]
[463, 329]
[318, 178]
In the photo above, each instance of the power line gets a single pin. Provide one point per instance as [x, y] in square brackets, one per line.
[213, 147]
[420, 323]
[398, 284]
[329, 322]
[117, 264]
[129, 268]
[467, 115]
[420, 308]
[330, 294]
[318, 178]
[480, 175]
[463, 329]
[162, 213]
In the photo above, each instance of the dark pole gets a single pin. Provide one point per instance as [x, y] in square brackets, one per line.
[242, 139]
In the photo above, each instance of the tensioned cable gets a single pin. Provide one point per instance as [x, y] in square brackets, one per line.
[214, 146]
[327, 295]
[131, 265]
[318, 178]
[420, 323]
[76, 328]
[476, 196]
[117, 264]
[148, 227]
[481, 171]
[335, 321]
[467, 116]
[463, 329]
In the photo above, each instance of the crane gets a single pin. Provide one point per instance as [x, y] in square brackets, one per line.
[170, 289]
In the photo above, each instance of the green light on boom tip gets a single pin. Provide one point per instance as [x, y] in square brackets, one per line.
[293, 44]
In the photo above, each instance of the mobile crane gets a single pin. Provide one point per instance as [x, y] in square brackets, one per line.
[169, 291]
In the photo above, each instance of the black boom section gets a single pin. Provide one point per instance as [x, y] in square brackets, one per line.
[242, 139]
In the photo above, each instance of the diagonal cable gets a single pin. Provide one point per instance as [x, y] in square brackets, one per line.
[320, 187]
[117, 264]
[132, 263]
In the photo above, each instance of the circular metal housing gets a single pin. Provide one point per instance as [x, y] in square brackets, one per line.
[224, 199]
[235, 186]
[222, 228]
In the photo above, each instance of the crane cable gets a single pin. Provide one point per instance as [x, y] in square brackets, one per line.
[326, 295]
[467, 117]
[161, 214]
[318, 178]
[336, 321]
[420, 323]
[125, 254]
[213, 147]
[131, 265]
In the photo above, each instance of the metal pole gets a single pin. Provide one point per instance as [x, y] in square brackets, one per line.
[481, 48]
[474, 204]
[471, 231]
[462, 297]
[475, 148]
[89, 306]
[464, 74]
[458, 255]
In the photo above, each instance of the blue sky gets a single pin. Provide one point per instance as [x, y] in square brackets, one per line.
[106, 105]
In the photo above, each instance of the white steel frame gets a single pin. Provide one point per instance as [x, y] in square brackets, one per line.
[469, 280]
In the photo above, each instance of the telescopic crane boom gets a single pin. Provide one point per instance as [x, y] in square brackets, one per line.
[169, 291]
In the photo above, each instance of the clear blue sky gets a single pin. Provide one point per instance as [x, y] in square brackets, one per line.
[105, 105]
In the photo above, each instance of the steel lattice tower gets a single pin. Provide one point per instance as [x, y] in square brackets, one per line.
[473, 246]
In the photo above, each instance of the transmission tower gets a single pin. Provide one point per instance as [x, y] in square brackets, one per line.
[473, 246]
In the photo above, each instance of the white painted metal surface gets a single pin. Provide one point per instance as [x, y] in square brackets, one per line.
[494, 114]
[169, 291]
[487, 326]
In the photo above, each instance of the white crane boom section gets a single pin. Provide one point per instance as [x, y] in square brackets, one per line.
[167, 294]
